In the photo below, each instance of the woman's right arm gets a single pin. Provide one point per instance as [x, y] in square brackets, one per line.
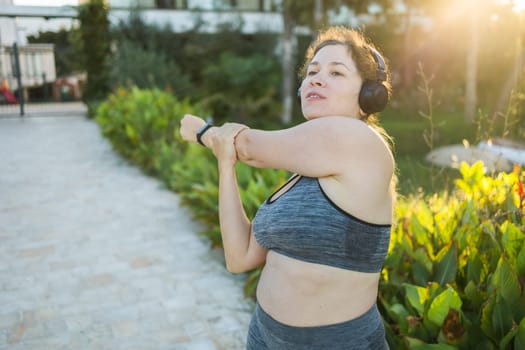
[241, 250]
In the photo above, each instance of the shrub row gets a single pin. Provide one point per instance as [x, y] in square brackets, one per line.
[455, 273]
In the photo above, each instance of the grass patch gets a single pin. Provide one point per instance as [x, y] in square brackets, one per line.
[408, 129]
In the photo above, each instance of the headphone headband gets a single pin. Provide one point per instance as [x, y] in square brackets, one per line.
[381, 66]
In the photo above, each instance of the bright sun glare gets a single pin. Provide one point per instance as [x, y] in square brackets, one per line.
[519, 5]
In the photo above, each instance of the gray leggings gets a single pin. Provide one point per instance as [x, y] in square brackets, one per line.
[363, 333]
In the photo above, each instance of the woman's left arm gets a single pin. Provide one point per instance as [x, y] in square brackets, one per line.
[321, 147]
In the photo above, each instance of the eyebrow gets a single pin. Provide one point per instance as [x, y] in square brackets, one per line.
[334, 63]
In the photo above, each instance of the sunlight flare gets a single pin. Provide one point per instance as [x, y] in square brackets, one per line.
[518, 5]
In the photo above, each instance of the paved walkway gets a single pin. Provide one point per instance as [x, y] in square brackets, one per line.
[96, 255]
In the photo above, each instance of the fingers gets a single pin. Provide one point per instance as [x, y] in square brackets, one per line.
[230, 130]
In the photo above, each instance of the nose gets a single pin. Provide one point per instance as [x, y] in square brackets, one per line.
[316, 81]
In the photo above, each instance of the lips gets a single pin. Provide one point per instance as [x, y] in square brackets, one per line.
[312, 95]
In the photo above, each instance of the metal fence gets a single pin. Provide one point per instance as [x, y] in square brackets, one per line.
[13, 101]
[44, 98]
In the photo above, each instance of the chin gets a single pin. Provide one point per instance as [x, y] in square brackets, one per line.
[313, 116]
[309, 115]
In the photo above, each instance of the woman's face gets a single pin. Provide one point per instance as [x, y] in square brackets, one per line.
[331, 85]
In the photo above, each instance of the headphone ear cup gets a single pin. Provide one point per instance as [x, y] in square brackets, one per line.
[373, 97]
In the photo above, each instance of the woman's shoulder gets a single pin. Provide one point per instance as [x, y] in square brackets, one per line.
[356, 132]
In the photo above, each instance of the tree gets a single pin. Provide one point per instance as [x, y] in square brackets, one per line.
[288, 45]
[95, 38]
[472, 69]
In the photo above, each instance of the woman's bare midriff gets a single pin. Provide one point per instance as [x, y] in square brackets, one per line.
[304, 294]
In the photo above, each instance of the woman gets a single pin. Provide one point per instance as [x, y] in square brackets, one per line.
[323, 236]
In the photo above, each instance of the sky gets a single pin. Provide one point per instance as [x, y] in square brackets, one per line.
[45, 2]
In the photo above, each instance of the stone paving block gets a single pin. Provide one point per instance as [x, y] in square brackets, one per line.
[234, 340]
[124, 328]
[7, 320]
[198, 344]
[78, 322]
[196, 328]
[225, 323]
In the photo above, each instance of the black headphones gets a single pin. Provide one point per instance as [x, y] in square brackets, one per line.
[373, 96]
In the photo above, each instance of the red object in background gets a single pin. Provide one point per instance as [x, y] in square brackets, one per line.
[521, 194]
[9, 97]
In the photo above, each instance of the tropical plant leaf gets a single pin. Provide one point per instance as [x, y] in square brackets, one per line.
[447, 264]
[417, 297]
[519, 340]
[440, 306]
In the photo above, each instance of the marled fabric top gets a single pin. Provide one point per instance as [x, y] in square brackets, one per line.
[303, 223]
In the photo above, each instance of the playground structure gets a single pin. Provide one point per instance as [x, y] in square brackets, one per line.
[6, 96]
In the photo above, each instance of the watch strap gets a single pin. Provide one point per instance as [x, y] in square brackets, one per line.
[201, 132]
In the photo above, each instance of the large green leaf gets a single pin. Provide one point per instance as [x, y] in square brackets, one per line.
[420, 231]
[474, 267]
[417, 297]
[440, 306]
[502, 319]
[512, 239]
[421, 266]
[447, 264]
[474, 295]
[520, 262]
[519, 340]
[508, 284]
[507, 339]
[399, 314]
[486, 317]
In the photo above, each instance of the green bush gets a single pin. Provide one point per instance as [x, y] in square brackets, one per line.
[455, 273]
[135, 66]
[143, 126]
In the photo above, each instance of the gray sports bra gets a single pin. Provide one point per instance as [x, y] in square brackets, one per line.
[303, 223]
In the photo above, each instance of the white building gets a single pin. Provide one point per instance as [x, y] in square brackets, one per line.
[180, 15]
[36, 61]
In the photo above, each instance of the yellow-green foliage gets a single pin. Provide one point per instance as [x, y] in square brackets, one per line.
[455, 272]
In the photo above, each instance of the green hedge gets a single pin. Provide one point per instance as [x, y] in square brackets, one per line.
[455, 272]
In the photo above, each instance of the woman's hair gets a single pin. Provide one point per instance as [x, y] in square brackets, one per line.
[361, 52]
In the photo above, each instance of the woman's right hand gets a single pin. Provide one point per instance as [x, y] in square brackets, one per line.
[222, 141]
